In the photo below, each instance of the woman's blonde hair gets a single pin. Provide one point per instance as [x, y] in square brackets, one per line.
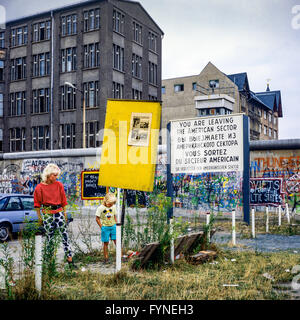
[109, 198]
[51, 168]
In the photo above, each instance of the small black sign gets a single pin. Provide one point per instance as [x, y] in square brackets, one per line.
[90, 190]
[266, 191]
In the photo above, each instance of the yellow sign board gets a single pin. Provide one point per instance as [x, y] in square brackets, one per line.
[130, 142]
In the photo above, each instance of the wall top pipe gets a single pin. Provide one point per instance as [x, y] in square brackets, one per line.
[283, 144]
[61, 153]
[91, 152]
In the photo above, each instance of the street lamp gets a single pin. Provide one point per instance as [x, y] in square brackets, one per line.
[83, 118]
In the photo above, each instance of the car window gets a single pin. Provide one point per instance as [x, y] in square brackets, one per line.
[2, 203]
[27, 203]
[13, 204]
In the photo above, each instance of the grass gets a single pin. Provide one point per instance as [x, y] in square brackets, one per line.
[181, 281]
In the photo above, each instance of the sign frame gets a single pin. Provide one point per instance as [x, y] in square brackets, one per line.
[83, 173]
[246, 164]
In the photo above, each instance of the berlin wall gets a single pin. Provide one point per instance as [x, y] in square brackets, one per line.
[273, 171]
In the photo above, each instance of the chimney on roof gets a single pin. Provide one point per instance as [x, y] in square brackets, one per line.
[268, 88]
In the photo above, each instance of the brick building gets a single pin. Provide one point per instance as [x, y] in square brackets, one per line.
[105, 48]
[214, 93]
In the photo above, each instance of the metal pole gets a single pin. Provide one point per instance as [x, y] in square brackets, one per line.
[233, 228]
[253, 223]
[267, 219]
[38, 263]
[172, 249]
[207, 223]
[118, 241]
[83, 123]
[287, 213]
[2, 278]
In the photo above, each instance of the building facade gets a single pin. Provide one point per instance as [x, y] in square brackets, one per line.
[214, 93]
[106, 49]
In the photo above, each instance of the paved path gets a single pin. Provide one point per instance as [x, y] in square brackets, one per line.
[262, 242]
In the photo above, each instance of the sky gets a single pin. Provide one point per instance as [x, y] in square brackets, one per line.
[260, 37]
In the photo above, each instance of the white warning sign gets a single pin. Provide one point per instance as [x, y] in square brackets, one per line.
[210, 144]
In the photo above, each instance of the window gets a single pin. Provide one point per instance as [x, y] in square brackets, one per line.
[270, 132]
[19, 36]
[265, 114]
[69, 25]
[270, 117]
[17, 139]
[28, 203]
[13, 204]
[152, 73]
[91, 94]
[118, 90]
[68, 59]
[68, 98]
[214, 84]
[1, 104]
[40, 138]
[150, 97]
[41, 100]
[275, 134]
[178, 87]
[137, 32]
[275, 119]
[42, 31]
[18, 69]
[91, 55]
[194, 86]
[136, 94]
[1, 70]
[152, 37]
[2, 40]
[41, 64]
[92, 129]
[17, 103]
[136, 66]
[118, 57]
[163, 90]
[259, 128]
[265, 130]
[91, 20]
[118, 21]
[67, 136]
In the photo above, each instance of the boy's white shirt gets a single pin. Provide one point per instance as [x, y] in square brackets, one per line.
[102, 207]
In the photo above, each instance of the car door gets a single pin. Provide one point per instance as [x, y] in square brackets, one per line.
[14, 213]
[30, 214]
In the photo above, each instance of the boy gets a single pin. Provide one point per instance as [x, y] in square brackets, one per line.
[106, 217]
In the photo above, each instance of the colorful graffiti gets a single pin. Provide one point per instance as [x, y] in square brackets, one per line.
[285, 164]
[22, 177]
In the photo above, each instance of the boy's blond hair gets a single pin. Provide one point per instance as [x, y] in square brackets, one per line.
[109, 198]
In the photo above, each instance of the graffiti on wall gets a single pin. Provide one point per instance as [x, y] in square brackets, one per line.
[266, 191]
[284, 165]
[24, 175]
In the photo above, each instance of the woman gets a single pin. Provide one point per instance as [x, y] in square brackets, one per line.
[50, 196]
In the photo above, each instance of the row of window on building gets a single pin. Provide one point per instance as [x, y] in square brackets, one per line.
[69, 26]
[180, 87]
[40, 137]
[41, 98]
[41, 63]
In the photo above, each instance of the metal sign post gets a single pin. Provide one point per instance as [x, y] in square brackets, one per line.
[170, 188]
[118, 241]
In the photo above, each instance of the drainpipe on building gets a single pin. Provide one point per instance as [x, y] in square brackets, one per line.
[52, 80]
